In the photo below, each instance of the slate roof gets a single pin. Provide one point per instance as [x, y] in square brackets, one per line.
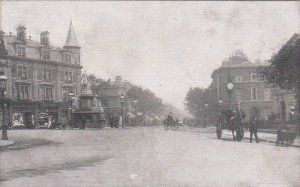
[71, 38]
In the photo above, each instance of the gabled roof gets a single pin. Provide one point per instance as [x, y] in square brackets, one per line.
[71, 38]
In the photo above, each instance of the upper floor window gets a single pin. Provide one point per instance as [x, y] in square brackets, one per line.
[48, 93]
[238, 78]
[77, 59]
[254, 77]
[23, 92]
[45, 54]
[68, 77]
[67, 58]
[21, 51]
[253, 94]
[47, 75]
[22, 72]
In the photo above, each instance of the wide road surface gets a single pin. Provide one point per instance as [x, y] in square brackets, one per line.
[143, 157]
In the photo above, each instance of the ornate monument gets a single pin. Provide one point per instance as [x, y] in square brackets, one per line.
[89, 111]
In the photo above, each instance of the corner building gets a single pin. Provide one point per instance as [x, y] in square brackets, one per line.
[40, 76]
[248, 90]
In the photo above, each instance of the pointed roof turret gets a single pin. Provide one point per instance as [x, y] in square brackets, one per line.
[71, 38]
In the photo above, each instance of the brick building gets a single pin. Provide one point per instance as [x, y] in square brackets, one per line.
[40, 76]
[248, 89]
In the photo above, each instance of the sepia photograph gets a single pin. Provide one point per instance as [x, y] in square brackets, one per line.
[149, 93]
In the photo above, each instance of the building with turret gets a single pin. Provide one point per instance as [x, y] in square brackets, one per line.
[40, 76]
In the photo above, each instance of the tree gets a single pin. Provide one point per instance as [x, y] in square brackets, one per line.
[284, 71]
[195, 101]
[147, 103]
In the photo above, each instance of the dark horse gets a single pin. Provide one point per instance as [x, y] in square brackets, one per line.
[234, 123]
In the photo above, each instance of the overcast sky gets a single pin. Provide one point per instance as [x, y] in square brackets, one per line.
[167, 47]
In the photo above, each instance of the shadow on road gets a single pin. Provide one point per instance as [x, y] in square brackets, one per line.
[54, 168]
[28, 144]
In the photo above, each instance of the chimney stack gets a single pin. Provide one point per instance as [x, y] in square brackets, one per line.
[21, 32]
[44, 38]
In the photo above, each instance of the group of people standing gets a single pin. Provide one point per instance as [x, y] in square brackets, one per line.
[116, 121]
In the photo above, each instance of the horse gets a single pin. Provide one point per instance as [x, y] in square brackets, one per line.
[234, 123]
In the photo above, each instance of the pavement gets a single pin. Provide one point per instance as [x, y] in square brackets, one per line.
[4, 143]
[143, 157]
[263, 135]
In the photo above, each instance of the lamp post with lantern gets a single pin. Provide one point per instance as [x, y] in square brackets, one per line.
[70, 99]
[205, 115]
[135, 112]
[3, 82]
[122, 100]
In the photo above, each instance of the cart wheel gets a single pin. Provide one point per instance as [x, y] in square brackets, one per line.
[166, 127]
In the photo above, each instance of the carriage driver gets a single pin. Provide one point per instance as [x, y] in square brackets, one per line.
[170, 116]
[253, 129]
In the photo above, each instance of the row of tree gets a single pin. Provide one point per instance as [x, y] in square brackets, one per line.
[147, 102]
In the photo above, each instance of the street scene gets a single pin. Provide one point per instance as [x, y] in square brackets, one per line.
[144, 156]
[149, 94]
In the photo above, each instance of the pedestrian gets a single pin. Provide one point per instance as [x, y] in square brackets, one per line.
[253, 129]
[116, 121]
[111, 121]
[121, 122]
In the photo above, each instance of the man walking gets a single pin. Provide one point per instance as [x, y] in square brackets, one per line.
[253, 130]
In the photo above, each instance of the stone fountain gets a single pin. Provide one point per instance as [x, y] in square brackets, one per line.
[88, 109]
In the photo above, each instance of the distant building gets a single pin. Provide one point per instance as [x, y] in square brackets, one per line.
[248, 88]
[40, 76]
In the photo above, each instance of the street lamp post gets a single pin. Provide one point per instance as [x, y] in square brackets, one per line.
[206, 115]
[3, 81]
[70, 98]
[122, 99]
[135, 112]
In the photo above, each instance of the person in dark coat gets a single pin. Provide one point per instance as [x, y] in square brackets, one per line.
[116, 121]
[111, 121]
[253, 129]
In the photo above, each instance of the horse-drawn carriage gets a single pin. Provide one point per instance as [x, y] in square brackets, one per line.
[170, 123]
[286, 134]
[232, 120]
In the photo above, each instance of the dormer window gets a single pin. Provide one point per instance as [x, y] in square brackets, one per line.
[20, 51]
[45, 54]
